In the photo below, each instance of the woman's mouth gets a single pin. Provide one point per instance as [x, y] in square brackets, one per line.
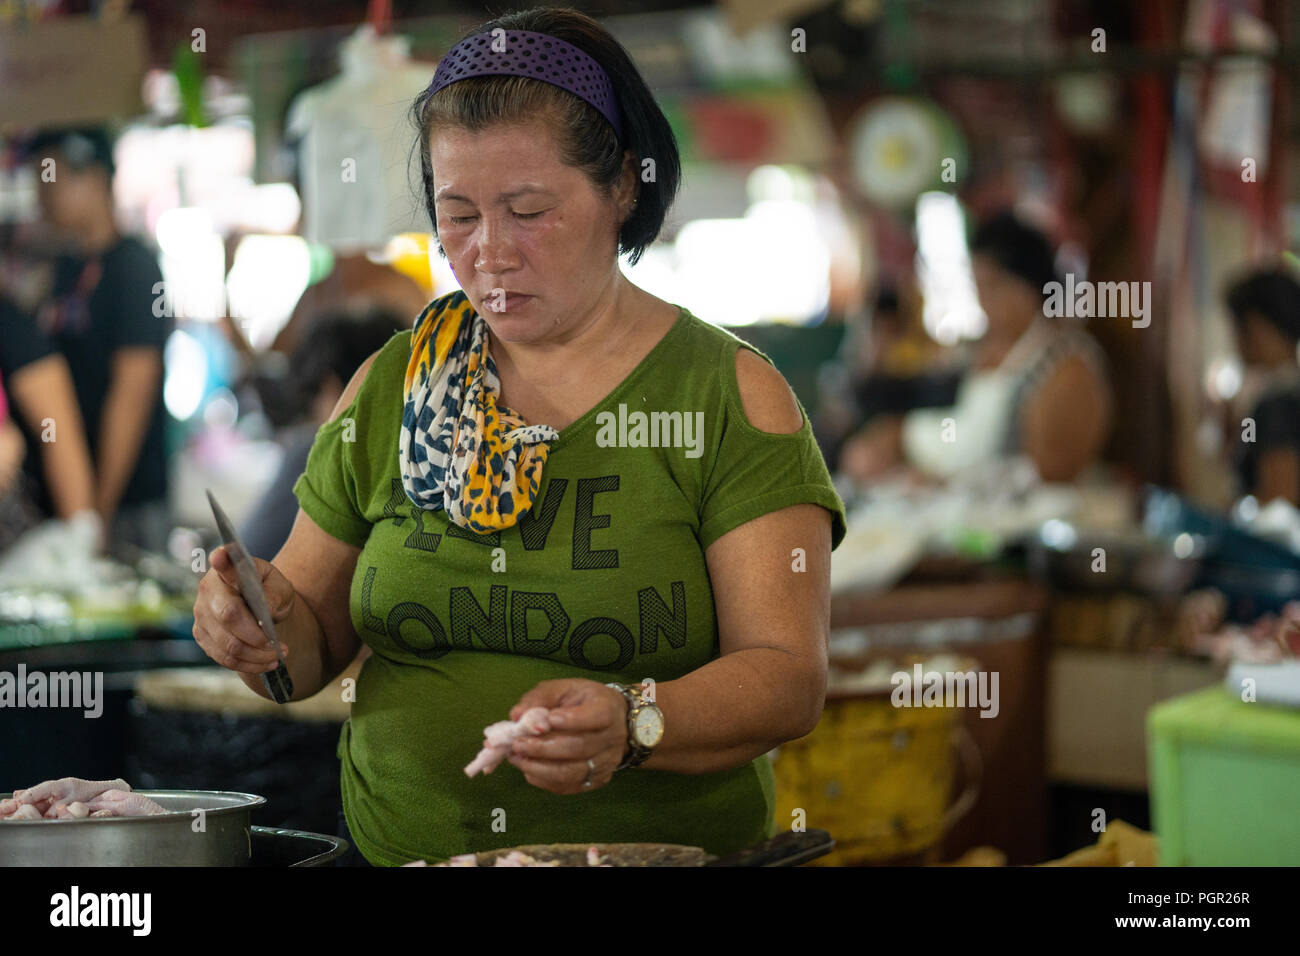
[499, 300]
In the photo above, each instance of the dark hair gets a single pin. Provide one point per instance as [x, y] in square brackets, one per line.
[587, 141]
[80, 148]
[886, 299]
[336, 343]
[1272, 295]
[1019, 249]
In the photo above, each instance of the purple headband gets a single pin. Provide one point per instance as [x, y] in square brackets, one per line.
[536, 55]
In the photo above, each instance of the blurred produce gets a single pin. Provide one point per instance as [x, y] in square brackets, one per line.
[54, 588]
[1120, 845]
[896, 522]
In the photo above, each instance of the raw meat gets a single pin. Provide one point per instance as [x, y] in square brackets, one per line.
[514, 858]
[498, 737]
[1271, 638]
[71, 798]
[517, 858]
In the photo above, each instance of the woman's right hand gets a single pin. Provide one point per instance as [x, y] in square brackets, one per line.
[224, 626]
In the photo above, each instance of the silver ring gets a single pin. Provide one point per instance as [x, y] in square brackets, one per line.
[591, 768]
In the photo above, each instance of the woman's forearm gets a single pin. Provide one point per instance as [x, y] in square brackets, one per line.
[69, 476]
[736, 708]
[43, 394]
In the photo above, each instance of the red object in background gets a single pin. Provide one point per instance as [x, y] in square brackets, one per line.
[380, 15]
[729, 131]
[1289, 638]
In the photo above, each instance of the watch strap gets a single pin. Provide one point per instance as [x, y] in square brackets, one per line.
[635, 754]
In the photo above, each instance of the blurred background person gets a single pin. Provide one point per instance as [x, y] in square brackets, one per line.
[100, 314]
[1265, 310]
[1036, 387]
[333, 347]
[887, 365]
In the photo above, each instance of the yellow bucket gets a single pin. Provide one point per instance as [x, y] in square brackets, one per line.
[879, 778]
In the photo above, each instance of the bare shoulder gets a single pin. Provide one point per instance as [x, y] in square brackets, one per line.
[769, 403]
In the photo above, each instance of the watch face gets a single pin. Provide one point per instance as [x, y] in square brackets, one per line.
[649, 726]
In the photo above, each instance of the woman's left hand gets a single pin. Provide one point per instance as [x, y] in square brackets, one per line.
[588, 722]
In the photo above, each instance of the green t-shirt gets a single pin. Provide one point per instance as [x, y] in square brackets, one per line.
[604, 579]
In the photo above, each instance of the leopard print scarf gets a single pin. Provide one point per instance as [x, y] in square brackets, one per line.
[460, 449]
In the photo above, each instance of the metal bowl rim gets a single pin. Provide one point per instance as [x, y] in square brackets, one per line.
[251, 800]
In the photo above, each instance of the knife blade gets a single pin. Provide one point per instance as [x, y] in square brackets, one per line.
[276, 682]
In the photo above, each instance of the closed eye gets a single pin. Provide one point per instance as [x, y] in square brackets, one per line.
[461, 220]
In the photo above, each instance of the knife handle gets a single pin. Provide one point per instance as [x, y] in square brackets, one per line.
[278, 684]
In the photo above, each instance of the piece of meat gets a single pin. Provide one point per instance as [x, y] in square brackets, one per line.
[65, 790]
[498, 737]
[123, 803]
[71, 798]
[72, 811]
[519, 858]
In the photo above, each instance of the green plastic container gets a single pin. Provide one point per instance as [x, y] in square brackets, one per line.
[1225, 781]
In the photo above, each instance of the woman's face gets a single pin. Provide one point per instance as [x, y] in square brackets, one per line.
[512, 216]
[1010, 303]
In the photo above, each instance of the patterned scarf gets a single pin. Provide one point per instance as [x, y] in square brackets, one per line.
[460, 449]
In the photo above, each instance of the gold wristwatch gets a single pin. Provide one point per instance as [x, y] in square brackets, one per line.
[645, 724]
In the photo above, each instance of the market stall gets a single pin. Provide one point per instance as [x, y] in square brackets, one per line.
[723, 435]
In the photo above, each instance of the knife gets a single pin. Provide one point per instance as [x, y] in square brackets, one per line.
[276, 682]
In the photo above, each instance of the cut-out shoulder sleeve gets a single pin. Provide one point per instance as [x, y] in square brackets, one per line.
[765, 396]
[757, 471]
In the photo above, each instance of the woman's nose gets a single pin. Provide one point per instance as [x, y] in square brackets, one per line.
[496, 253]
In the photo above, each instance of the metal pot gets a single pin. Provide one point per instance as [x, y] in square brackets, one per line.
[164, 839]
[1063, 556]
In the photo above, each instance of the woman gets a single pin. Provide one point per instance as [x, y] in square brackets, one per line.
[1265, 308]
[551, 543]
[1037, 386]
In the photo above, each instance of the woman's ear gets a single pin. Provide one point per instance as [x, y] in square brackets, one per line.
[628, 183]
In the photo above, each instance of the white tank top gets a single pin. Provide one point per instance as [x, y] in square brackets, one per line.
[985, 422]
